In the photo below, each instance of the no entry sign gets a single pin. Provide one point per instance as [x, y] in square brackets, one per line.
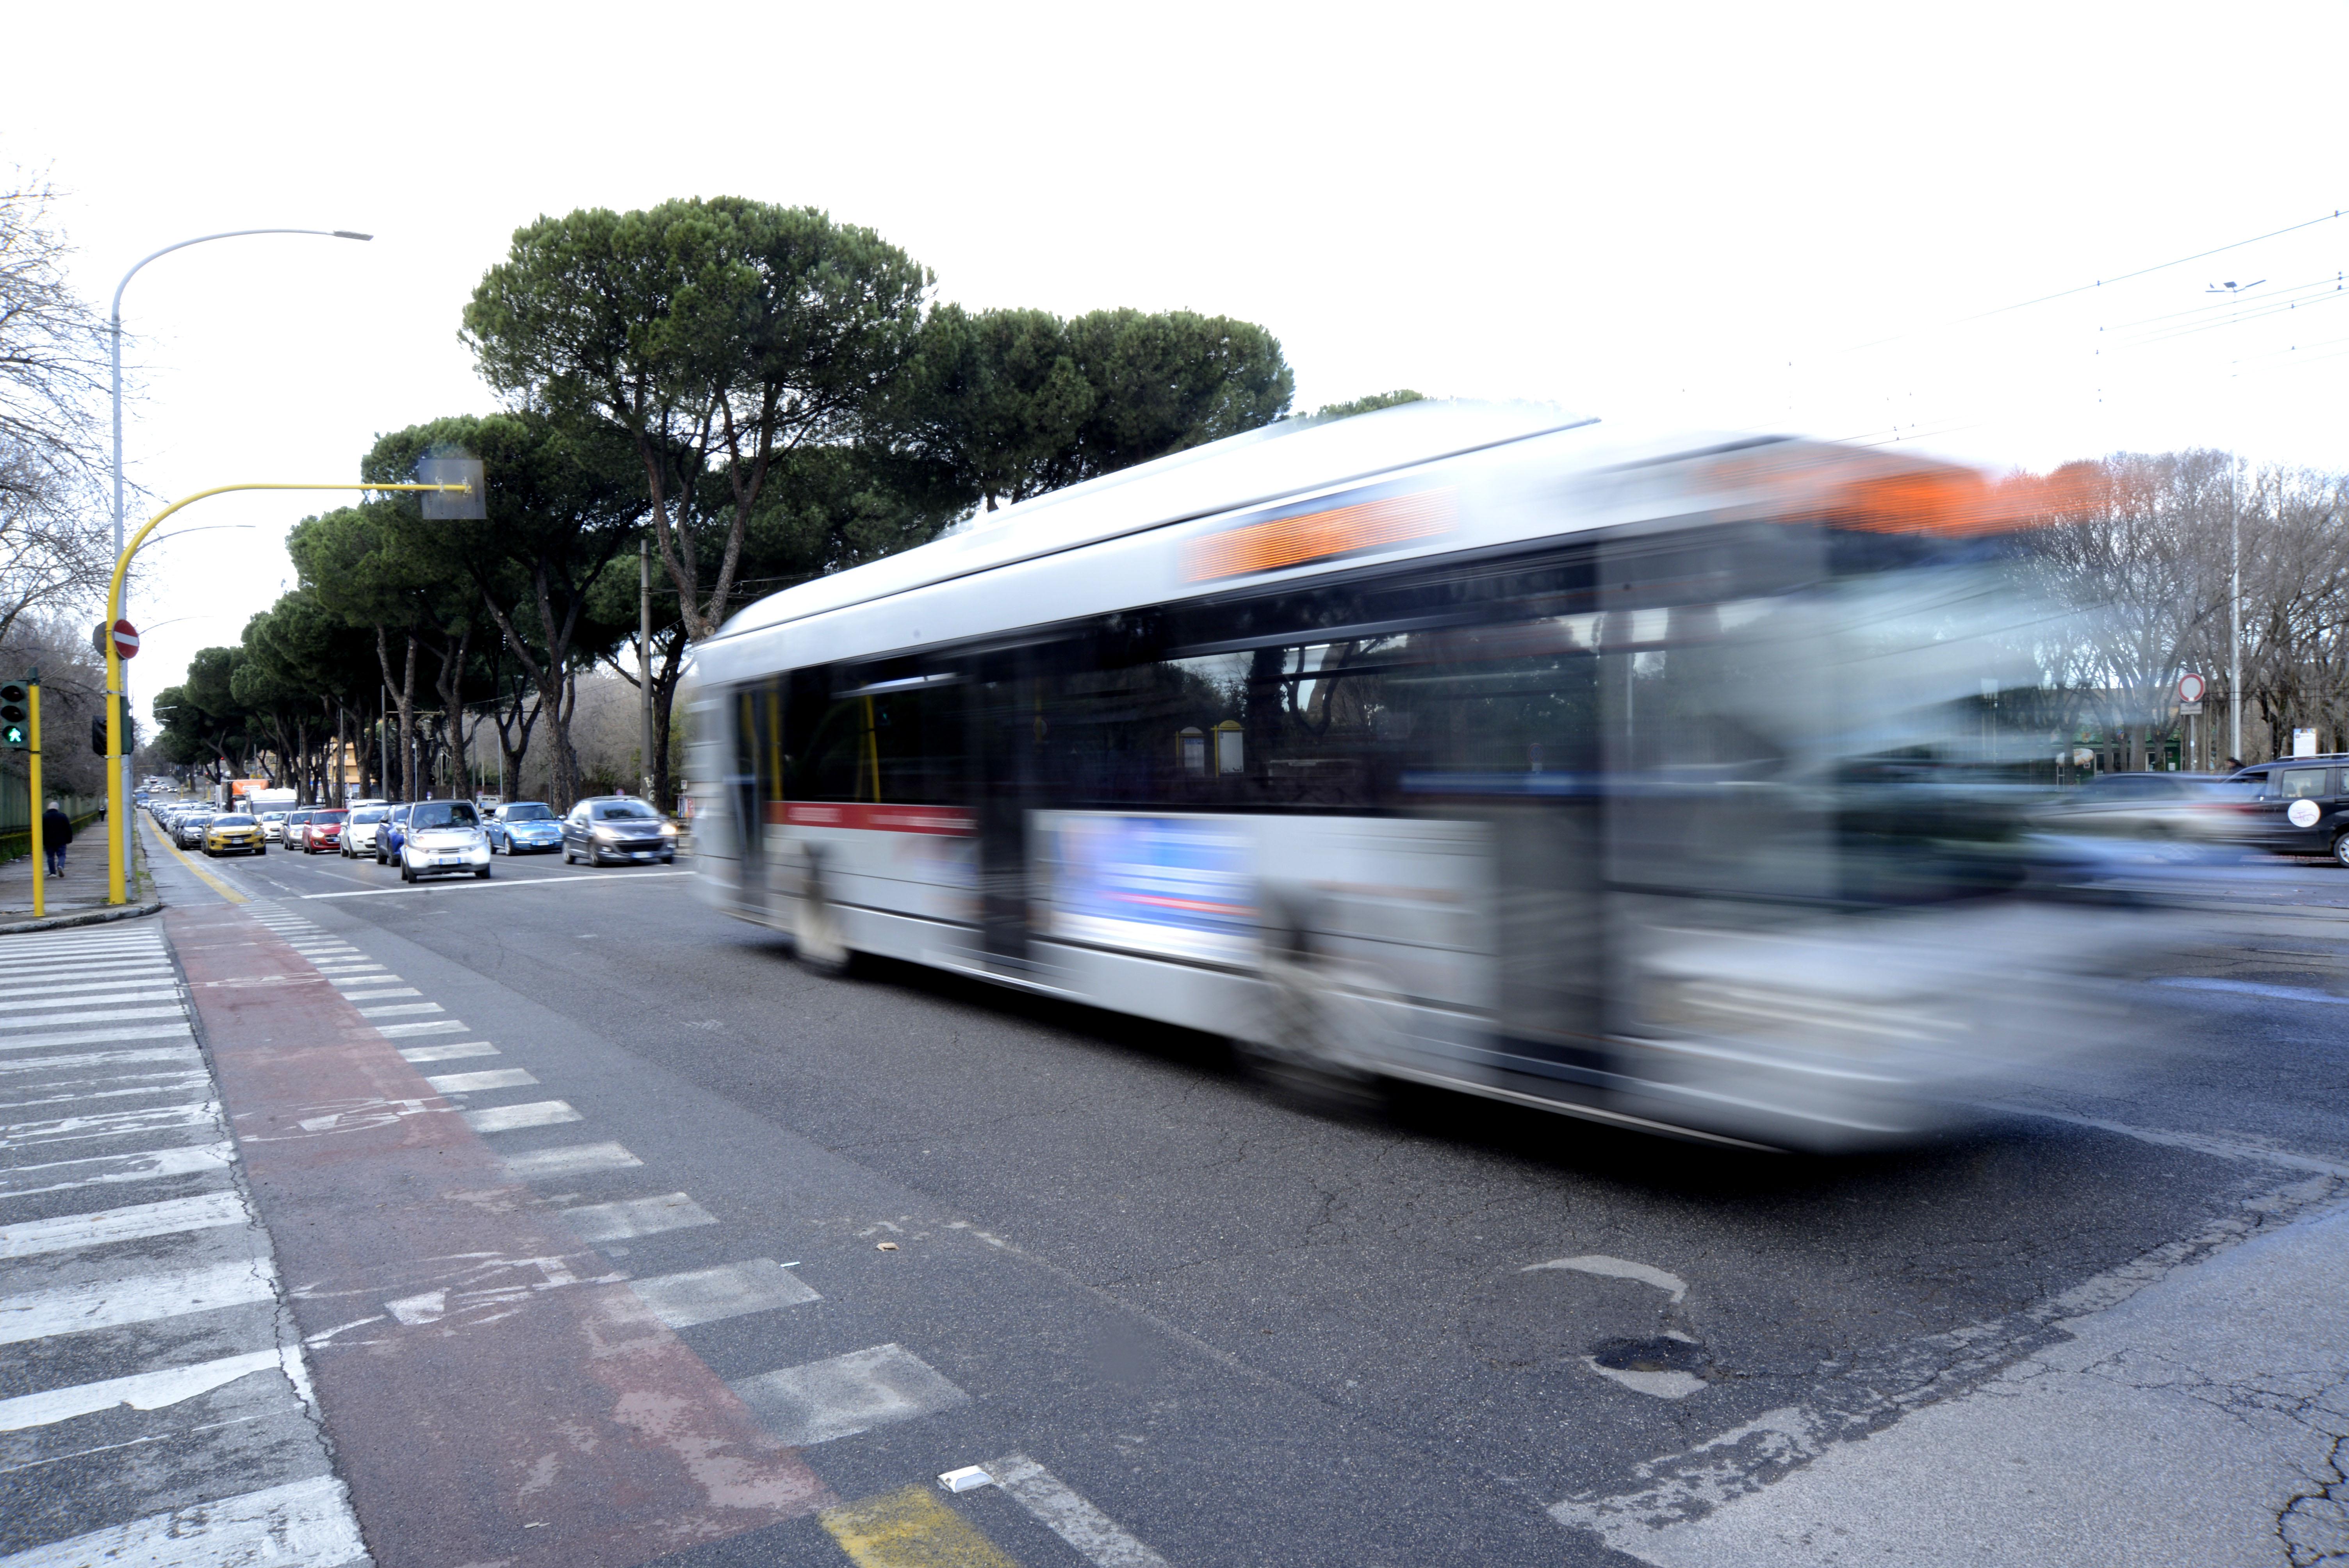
[126, 639]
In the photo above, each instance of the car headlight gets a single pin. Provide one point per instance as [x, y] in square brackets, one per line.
[605, 834]
[668, 829]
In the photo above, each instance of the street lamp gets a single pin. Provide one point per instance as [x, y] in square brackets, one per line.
[120, 830]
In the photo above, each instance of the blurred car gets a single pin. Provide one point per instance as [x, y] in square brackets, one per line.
[325, 832]
[297, 825]
[2178, 809]
[524, 828]
[2298, 805]
[273, 825]
[235, 833]
[617, 827]
[188, 828]
[389, 833]
[442, 836]
[359, 832]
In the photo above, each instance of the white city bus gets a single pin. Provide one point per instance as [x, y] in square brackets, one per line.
[1656, 782]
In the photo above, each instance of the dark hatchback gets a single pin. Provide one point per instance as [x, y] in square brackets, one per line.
[617, 828]
[2299, 807]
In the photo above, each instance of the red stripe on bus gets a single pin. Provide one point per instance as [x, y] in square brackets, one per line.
[872, 818]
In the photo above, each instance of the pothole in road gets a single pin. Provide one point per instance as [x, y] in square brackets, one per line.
[1665, 1353]
[1662, 1367]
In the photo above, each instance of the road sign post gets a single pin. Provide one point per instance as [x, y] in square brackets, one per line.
[2190, 687]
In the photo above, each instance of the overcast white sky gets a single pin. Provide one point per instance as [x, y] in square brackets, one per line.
[1725, 215]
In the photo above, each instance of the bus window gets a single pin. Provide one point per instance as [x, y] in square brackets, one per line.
[878, 746]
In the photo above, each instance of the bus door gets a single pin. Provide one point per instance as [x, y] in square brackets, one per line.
[1008, 722]
[756, 778]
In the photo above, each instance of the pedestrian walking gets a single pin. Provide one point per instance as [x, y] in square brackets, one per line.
[57, 832]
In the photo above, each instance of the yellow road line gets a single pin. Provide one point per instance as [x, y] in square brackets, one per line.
[909, 1529]
[210, 881]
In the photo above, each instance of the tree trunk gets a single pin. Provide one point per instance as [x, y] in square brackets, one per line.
[404, 695]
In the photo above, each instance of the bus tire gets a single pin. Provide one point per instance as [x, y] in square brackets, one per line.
[815, 932]
[1299, 1051]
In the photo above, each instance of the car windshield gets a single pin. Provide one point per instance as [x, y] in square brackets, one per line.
[528, 811]
[329, 816]
[371, 814]
[442, 814]
[606, 811]
[237, 822]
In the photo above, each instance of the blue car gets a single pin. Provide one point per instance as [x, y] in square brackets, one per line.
[524, 828]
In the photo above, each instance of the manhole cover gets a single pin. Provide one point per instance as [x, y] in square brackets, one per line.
[1661, 1354]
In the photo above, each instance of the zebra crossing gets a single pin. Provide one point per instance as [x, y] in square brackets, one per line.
[155, 1404]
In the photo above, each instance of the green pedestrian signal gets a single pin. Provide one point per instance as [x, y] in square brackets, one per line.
[16, 717]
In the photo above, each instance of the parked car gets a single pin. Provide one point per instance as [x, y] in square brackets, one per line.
[235, 833]
[2298, 805]
[358, 831]
[325, 832]
[389, 833]
[617, 827]
[524, 828]
[442, 836]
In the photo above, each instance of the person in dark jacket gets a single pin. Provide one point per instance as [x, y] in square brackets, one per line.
[57, 832]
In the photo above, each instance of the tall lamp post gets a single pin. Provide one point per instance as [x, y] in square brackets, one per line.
[118, 826]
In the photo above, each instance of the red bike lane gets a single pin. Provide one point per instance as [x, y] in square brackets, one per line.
[495, 1392]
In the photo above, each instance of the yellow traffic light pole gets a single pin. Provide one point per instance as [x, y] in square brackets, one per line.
[116, 872]
[33, 734]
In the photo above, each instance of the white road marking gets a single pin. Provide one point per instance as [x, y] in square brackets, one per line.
[30, 1011]
[730, 1290]
[401, 1009]
[474, 1083]
[341, 979]
[140, 1390]
[79, 1090]
[52, 1020]
[378, 995]
[2255, 988]
[571, 881]
[99, 1037]
[447, 1053]
[1068, 1516]
[514, 1117]
[110, 1124]
[402, 1031]
[148, 1165]
[19, 957]
[1599, 1264]
[69, 1233]
[636, 1217]
[573, 1160]
[145, 974]
[1665, 1385]
[185, 1054]
[845, 1395]
[303, 1524]
[142, 1298]
[104, 1169]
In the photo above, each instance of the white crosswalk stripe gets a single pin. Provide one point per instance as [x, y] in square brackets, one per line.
[129, 1250]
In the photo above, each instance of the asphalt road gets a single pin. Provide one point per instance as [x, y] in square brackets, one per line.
[1238, 1329]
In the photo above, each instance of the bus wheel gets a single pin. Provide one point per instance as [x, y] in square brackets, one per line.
[1311, 1022]
[815, 934]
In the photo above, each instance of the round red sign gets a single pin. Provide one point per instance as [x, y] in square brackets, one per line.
[126, 639]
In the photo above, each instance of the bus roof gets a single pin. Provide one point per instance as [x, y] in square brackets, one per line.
[1258, 466]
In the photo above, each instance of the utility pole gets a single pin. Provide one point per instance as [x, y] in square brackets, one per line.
[2234, 615]
[644, 665]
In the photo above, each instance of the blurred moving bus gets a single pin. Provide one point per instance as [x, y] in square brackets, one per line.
[1657, 783]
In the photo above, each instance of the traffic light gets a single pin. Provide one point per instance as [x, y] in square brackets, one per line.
[16, 717]
[98, 733]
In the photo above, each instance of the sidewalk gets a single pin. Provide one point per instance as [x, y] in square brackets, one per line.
[81, 890]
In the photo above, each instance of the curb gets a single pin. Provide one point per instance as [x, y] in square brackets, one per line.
[89, 917]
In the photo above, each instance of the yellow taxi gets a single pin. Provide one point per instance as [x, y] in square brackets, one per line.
[235, 834]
